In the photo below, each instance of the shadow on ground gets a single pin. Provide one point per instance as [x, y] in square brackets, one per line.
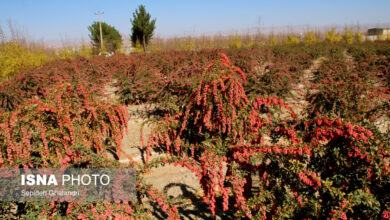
[190, 204]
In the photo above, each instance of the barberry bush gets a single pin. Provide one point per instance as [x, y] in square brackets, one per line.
[225, 120]
[272, 168]
[43, 132]
[69, 126]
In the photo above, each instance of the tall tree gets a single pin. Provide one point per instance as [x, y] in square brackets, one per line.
[143, 27]
[112, 40]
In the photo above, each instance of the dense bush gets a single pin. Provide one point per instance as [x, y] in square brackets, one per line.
[168, 75]
[14, 57]
[54, 116]
[341, 91]
[50, 132]
[328, 169]
[225, 120]
[91, 73]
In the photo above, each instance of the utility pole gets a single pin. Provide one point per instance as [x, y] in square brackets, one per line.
[258, 35]
[259, 23]
[100, 27]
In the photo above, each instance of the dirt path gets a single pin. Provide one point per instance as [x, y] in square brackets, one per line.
[297, 99]
[179, 183]
[163, 178]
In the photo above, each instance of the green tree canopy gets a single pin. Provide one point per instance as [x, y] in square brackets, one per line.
[143, 27]
[112, 40]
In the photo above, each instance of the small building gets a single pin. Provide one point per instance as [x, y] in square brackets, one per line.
[378, 33]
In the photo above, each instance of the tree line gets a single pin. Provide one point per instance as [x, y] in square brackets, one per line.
[141, 32]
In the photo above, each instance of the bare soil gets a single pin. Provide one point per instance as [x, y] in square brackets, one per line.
[179, 183]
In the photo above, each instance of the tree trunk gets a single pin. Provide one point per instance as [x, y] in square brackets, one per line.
[144, 43]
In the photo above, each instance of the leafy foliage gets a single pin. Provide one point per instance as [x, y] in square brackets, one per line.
[291, 39]
[310, 37]
[50, 129]
[15, 57]
[301, 173]
[332, 37]
[142, 27]
[348, 36]
[225, 120]
[112, 40]
[54, 116]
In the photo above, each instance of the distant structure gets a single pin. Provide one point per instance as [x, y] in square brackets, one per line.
[378, 33]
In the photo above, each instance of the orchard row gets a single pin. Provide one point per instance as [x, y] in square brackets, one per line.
[284, 131]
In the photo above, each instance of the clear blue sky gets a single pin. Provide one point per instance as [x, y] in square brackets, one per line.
[69, 19]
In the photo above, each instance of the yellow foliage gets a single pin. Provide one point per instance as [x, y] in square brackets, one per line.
[235, 42]
[209, 43]
[102, 50]
[138, 47]
[180, 45]
[310, 38]
[332, 37]
[14, 57]
[359, 36]
[273, 41]
[348, 36]
[66, 53]
[154, 48]
[84, 51]
[190, 45]
[292, 40]
[384, 37]
[250, 44]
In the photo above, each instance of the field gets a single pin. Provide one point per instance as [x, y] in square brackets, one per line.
[284, 131]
